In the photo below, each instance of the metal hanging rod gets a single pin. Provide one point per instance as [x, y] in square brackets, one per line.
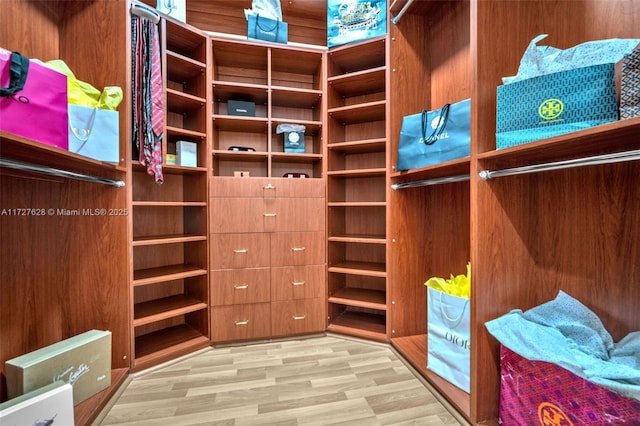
[426, 182]
[19, 165]
[578, 162]
[406, 6]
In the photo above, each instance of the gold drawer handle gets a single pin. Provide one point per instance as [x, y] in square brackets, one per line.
[269, 214]
[238, 251]
[299, 317]
[297, 249]
[241, 286]
[297, 282]
[269, 186]
[245, 322]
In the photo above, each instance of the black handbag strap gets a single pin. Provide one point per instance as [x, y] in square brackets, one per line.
[439, 128]
[267, 29]
[18, 74]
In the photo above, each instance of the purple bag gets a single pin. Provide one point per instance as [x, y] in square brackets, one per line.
[33, 100]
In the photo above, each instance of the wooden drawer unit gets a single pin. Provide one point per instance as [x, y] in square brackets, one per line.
[232, 251]
[297, 248]
[241, 322]
[267, 214]
[240, 286]
[297, 317]
[297, 282]
[232, 187]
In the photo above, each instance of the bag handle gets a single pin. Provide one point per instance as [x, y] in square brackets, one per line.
[83, 134]
[18, 71]
[270, 30]
[454, 322]
[443, 118]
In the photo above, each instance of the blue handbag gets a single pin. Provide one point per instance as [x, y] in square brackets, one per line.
[267, 29]
[432, 137]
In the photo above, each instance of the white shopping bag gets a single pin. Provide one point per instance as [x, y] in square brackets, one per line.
[448, 337]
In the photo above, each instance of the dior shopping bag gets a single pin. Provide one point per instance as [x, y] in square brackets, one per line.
[32, 93]
[94, 133]
[432, 137]
[448, 337]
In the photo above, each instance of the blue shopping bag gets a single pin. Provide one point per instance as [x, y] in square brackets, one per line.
[432, 137]
[267, 29]
[555, 104]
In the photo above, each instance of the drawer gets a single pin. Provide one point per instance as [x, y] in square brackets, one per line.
[297, 282]
[295, 214]
[233, 187]
[240, 286]
[297, 248]
[298, 317]
[240, 322]
[235, 251]
[234, 215]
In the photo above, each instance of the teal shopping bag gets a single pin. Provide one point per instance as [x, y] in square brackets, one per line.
[554, 104]
[432, 137]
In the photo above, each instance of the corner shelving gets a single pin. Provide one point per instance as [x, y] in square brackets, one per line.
[356, 189]
[283, 91]
[170, 221]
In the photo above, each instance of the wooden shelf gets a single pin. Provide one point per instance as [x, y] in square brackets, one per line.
[357, 173]
[296, 157]
[361, 113]
[185, 132]
[369, 269]
[167, 307]
[356, 204]
[181, 102]
[224, 91]
[362, 146]
[360, 324]
[166, 239]
[165, 273]
[241, 155]
[169, 203]
[357, 56]
[414, 350]
[181, 68]
[364, 239]
[230, 123]
[359, 83]
[360, 297]
[296, 98]
[167, 343]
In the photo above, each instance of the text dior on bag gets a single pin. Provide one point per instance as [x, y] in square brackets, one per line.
[457, 340]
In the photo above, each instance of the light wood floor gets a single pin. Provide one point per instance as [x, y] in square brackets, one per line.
[322, 380]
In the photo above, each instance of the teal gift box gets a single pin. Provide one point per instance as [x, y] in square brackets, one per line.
[555, 104]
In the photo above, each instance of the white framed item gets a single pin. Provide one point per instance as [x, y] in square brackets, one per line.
[175, 8]
[49, 405]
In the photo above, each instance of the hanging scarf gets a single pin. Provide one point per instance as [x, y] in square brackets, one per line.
[148, 108]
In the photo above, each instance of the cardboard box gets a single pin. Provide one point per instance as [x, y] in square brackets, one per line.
[50, 404]
[247, 109]
[84, 361]
[187, 154]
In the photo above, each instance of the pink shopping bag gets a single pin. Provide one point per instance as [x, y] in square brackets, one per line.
[33, 100]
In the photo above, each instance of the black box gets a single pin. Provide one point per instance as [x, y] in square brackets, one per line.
[243, 108]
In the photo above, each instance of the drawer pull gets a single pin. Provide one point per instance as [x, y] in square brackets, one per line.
[238, 251]
[269, 186]
[297, 248]
[269, 214]
[241, 286]
[245, 322]
[297, 282]
[299, 317]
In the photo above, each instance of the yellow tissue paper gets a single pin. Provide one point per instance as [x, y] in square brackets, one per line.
[81, 93]
[460, 285]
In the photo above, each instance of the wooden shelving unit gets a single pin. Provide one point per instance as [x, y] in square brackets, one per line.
[527, 236]
[284, 91]
[61, 275]
[357, 104]
[170, 221]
